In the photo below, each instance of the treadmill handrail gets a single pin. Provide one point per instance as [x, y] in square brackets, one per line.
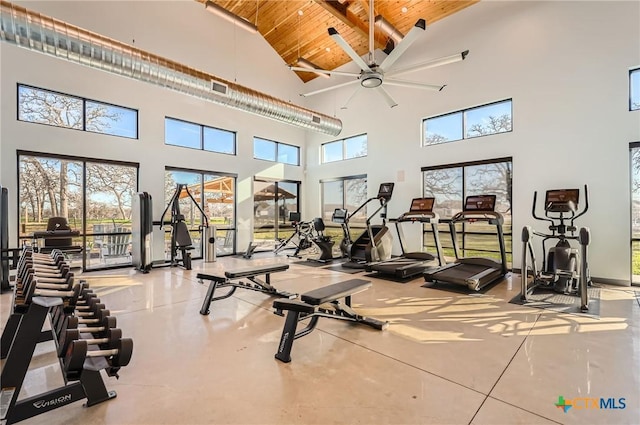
[423, 217]
[493, 217]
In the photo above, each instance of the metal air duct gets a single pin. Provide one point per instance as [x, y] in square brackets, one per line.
[40, 33]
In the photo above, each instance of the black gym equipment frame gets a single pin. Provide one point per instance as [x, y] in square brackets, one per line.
[473, 272]
[332, 301]
[564, 269]
[179, 231]
[410, 264]
[25, 336]
[374, 244]
[233, 279]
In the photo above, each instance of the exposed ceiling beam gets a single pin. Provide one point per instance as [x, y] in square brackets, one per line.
[343, 14]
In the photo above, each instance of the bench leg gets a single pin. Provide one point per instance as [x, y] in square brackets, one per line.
[208, 298]
[288, 335]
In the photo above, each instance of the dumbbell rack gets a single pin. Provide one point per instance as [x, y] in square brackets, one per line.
[19, 339]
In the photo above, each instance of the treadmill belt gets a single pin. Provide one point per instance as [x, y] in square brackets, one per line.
[461, 271]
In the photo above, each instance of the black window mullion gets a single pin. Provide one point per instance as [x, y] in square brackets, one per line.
[84, 114]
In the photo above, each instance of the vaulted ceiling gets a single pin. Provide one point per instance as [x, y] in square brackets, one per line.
[298, 28]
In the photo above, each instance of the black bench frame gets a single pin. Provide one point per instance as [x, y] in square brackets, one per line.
[232, 278]
[321, 302]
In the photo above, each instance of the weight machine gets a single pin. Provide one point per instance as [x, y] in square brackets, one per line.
[180, 238]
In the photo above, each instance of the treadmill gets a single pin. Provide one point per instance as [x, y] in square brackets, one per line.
[410, 264]
[473, 272]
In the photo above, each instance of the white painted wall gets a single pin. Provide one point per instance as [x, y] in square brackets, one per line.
[182, 31]
[564, 64]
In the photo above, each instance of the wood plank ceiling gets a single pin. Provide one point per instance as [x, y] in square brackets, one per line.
[298, 28]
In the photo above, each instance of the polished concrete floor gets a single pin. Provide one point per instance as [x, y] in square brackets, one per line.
[446, 358]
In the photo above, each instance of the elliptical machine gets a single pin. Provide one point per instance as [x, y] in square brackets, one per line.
[375, 243]
[565, 270]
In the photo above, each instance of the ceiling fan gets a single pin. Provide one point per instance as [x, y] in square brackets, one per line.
[373, 75]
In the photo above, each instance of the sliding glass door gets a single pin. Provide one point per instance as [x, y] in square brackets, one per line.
[272, 203]
[214, 192]
[93, 196]
[634, 153]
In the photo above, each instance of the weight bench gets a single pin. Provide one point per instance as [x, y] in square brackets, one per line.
[321, 302]
[231, 279]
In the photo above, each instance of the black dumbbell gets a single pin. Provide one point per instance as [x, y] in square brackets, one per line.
[98, 331]
[78, 351]
[109, 341]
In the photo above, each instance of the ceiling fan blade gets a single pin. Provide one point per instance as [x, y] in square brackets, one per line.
[431, 64]
[407, 41]
[402, 83]
[324, 71]
[337, 86]
[345, 106]
[387, 97]
[348, 49]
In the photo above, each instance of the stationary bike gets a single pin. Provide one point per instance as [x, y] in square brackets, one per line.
[565, 270]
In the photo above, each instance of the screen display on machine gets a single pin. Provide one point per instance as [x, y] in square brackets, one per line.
[385, 191]
[422, 205]
[480, 203]
[562, 196]
[339, 215]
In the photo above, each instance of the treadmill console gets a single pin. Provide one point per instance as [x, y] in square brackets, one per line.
[421, 208]
[480, 203]
[561, 200]
[385, 191]
[339, 216]
[421, 205]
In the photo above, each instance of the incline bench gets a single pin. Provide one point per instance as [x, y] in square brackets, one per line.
[231, 278]
[321, 302]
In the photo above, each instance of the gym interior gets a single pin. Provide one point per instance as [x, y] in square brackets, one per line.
[186, 239]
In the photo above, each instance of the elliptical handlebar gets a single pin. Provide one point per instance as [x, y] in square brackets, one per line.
[533, 210]
[586, 205]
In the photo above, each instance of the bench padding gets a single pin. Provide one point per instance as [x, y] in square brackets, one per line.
[295, 305]
[336, 291]
[254, 271]
[245, 272]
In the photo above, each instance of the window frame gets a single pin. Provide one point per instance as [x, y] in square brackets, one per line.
[463, 232]
[83, 101]
[201, 128]
[463, 122]
[344, 197]
[343, 143]
[277, 151]
[634, 71]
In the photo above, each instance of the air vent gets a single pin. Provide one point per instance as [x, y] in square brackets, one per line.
[218, 87]
[316, 119]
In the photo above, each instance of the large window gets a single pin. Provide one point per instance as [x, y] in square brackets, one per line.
[268, 150]
[62, 110]
[272, 203]
[215, 193]
[482, 120]
[634, 150]
[196, 136]
[450, 185]
[345, 192]
[94, 196]
[352, 147]
[634, 89]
